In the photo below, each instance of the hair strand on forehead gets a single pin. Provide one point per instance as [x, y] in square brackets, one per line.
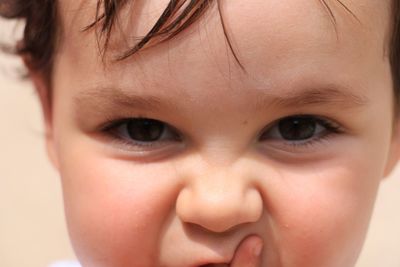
[227, 37]
[332, 16]
[164, 29]
[329, 10]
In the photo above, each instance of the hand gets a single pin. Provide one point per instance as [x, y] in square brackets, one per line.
[245, 255]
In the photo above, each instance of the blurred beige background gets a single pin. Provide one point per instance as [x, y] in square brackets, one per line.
[32, 228]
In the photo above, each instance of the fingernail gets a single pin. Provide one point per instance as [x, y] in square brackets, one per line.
[257, 249]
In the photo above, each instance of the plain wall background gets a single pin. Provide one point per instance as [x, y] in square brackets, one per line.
[32, 228]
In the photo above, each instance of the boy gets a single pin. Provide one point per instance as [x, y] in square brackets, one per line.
[256, 136]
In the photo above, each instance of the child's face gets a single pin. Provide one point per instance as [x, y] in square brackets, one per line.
[228, 164]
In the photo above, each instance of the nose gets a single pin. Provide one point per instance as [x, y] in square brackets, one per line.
[219, 200]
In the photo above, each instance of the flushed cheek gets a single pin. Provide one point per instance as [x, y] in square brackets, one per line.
[322, 220]
[322, 236]
[115, 210]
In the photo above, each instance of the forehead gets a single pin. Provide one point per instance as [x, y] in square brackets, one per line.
[250, 18]
[274, 40]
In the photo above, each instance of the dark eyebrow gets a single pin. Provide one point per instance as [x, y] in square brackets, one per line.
[336, 98]
[104, 97]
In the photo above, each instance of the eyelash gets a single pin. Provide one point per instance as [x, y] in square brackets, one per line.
[110, 127]
[331, 128]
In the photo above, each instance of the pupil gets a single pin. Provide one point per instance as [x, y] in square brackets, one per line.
[145, 130]
[297, 128]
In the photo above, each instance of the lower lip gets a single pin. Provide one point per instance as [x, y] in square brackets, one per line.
[215, 265]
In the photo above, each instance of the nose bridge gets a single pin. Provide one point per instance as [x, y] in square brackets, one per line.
[219, 198]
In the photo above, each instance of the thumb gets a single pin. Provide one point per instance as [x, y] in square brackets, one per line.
[248, 254]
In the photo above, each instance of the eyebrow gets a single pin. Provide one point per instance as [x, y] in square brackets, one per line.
[102, 98]
[338, 98]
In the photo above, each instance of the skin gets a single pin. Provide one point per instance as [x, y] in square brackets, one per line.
[214, 195]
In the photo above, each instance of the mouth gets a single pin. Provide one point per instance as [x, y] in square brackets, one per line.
[243, 252]
[215, 265]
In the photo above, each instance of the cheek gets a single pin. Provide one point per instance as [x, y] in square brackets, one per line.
[321, 215]
[114, 208]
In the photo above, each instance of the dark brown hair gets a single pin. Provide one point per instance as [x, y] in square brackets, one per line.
[41, 31]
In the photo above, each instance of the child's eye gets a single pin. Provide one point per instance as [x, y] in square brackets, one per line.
[142, 132]
[300, 130]
[145, 133]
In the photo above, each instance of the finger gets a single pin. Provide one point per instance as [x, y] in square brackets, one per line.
[248, 254]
